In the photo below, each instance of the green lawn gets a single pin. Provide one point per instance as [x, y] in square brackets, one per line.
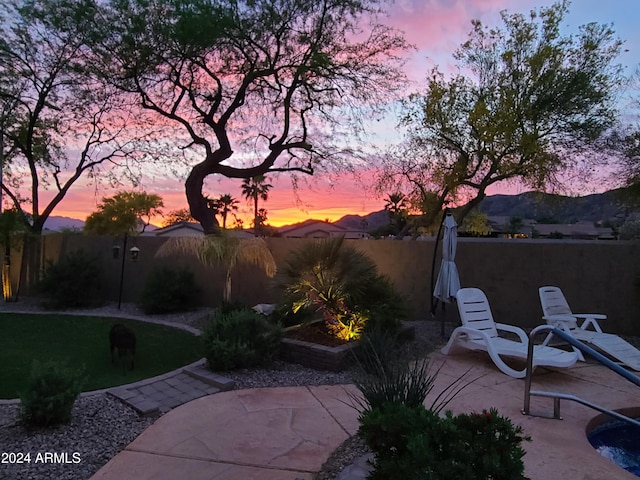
[83, 341]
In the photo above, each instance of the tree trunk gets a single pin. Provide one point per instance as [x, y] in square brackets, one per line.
[466, 208]
[227, 287]
[197, 203]
[255, 216]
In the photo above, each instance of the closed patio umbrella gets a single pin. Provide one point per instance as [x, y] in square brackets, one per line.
[448, 282]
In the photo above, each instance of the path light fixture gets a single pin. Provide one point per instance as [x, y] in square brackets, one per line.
[134, 253]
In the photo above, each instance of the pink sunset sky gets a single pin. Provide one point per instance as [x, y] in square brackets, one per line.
[436, 28]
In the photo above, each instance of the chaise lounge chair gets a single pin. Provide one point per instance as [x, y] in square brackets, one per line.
[480, 332]
[556, 312]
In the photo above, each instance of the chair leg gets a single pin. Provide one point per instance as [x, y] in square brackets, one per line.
[503, 367]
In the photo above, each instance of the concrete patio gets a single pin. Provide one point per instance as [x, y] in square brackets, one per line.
[288, 433]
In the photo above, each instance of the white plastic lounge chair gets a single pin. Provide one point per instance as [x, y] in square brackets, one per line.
[480, 332]
[556, 312]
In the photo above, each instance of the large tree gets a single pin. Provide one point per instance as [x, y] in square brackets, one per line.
[526, 103]
[273, 81]
[58, 122]
[124, 213]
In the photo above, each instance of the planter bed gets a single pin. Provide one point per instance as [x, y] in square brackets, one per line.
[323, 357]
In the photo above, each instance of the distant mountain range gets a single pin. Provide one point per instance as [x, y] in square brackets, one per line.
[552, 208]
[367, 223]
[542, 207]
[63, 223]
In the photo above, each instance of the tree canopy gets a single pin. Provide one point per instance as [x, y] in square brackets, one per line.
[253, 87]
[58, 121]
[526, 102]
[124, 213]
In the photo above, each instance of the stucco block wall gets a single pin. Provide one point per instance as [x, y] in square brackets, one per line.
[596, 276]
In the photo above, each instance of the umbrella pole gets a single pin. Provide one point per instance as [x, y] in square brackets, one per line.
[434, 304]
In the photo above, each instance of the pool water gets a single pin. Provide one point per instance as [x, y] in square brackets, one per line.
[619, 442]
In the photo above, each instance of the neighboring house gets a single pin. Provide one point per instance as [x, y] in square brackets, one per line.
[500, 226]
[181, 229]
[319, 229]
[580, 230]
[191, 229]
[529, 228]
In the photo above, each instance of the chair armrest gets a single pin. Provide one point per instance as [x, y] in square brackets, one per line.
[591, 319]
[595, 316]
[469, 332]
[561, 317]
[562, 321]
[513, 329]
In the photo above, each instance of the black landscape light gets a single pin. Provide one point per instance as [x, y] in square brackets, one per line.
[134, 251]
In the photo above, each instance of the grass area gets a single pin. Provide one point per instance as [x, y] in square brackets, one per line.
[83, 341]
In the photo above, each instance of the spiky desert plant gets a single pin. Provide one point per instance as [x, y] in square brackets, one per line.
[225, 251]
[333, 278]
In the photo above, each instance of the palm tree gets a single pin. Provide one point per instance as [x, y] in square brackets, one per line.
[396, 207]
[255, 188]
[223, 250]
[226, 205]
[395, 202]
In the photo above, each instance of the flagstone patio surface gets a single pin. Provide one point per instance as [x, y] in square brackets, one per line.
[288, 433]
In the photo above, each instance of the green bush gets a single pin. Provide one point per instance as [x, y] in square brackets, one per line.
[284, 315]
[169, 290]
[239, 339]
[341, 283]
[228, 307]
[415, 443]
[385, 306]
[76, 281]
[48, 399]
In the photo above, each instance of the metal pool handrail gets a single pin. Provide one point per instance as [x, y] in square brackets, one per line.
[563, 396]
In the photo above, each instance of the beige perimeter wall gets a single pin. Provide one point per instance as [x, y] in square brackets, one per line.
[596, 276]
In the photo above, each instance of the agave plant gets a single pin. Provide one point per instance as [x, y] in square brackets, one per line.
[223, 250]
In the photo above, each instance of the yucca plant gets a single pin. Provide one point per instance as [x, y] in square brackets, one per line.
[225, 251]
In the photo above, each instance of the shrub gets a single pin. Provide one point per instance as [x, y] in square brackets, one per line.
[386, 307]
[169, 290]
[48, 399]
[229, 307]
[241, 338]
[387, 376]
[284, 315]
[388, 372]
[341, 283]
[411, 442]
[74, 282]
[414, 443]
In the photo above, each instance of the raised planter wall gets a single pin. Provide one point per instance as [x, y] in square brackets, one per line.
[317, 356]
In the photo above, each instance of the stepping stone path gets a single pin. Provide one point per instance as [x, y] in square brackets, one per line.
[160, 394]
